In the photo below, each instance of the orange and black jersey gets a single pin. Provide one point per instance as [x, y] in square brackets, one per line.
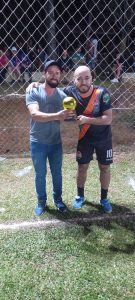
[101, 102]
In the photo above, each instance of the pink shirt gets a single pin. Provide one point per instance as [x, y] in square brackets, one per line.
[3, 61]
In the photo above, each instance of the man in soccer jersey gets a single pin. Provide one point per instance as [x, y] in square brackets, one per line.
[94, 117]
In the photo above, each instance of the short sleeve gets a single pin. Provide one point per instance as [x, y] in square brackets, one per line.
[31, 97]
[105, 100]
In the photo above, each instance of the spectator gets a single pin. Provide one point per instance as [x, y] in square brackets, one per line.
[3, 65]
[25, 66]
[65, 62]
[94, 42]
[42, 58]
[91, 53]
[31, 54]
[21, 50]
[117, 67]
[78, 58]
[14, 66]
[66, 65]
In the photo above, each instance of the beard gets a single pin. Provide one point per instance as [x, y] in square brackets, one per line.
[52, 84]
[83, 90]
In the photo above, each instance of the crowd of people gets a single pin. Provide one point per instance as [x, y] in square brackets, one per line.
[20, 59]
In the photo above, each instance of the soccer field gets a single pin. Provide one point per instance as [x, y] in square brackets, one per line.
[82, 259]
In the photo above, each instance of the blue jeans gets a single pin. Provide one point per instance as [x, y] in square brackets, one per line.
[39, 154]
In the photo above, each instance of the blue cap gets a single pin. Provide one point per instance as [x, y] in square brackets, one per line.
[52, 63]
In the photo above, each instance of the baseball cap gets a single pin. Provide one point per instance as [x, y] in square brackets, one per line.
[52, 63]
[13, 49]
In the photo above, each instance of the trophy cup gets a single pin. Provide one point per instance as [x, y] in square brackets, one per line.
[69, 103]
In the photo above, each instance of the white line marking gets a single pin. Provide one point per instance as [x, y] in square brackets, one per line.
[45, 223]
[2, 210]
[131, 182]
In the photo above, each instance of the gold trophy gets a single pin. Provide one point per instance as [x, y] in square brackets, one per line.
[69, 103]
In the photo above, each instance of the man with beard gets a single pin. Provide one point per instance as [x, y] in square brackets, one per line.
[45, 107]
[94, 116]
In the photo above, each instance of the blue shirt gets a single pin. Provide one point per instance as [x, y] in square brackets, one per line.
[45, 132]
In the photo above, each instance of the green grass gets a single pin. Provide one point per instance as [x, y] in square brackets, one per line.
[18, 195]
[90, 261]
[69, 262]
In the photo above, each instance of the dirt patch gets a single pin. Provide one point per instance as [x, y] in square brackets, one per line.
[14, 128]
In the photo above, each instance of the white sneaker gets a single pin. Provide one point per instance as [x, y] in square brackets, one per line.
[115, 80]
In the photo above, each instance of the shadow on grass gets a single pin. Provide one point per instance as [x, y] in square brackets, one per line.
[122, 217]
[95, 210]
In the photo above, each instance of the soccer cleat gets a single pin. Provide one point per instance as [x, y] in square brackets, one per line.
[106, 206]
[40, 209]
[61, 206]
[78, 202]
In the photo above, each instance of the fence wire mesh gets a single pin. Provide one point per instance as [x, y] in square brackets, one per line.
[100, 34]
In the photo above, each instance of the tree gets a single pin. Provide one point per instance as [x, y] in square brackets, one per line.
[51, 29]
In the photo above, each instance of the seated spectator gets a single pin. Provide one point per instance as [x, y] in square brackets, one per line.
[31, 51]
[25, 66]
[78, 58]
[21, 51]
[117, 67]
[42, 58]
[66, 66]
[65, 62]
[3, 65]
[14, 66]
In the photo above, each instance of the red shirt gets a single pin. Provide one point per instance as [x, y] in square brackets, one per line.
[3, 61]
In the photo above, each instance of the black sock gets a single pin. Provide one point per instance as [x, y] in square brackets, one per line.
[80, 192]
[104, 194]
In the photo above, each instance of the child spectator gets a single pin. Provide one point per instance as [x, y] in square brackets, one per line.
[65, 62]
[78, 58]
[14, 66]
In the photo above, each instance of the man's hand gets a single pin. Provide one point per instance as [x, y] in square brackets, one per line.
[65, 114]
[83, 120]
[105, 119]
[31, 86]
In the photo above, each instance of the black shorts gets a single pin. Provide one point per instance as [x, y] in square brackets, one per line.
[85, 151]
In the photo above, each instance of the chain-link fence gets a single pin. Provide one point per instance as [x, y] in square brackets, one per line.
[100, 34]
